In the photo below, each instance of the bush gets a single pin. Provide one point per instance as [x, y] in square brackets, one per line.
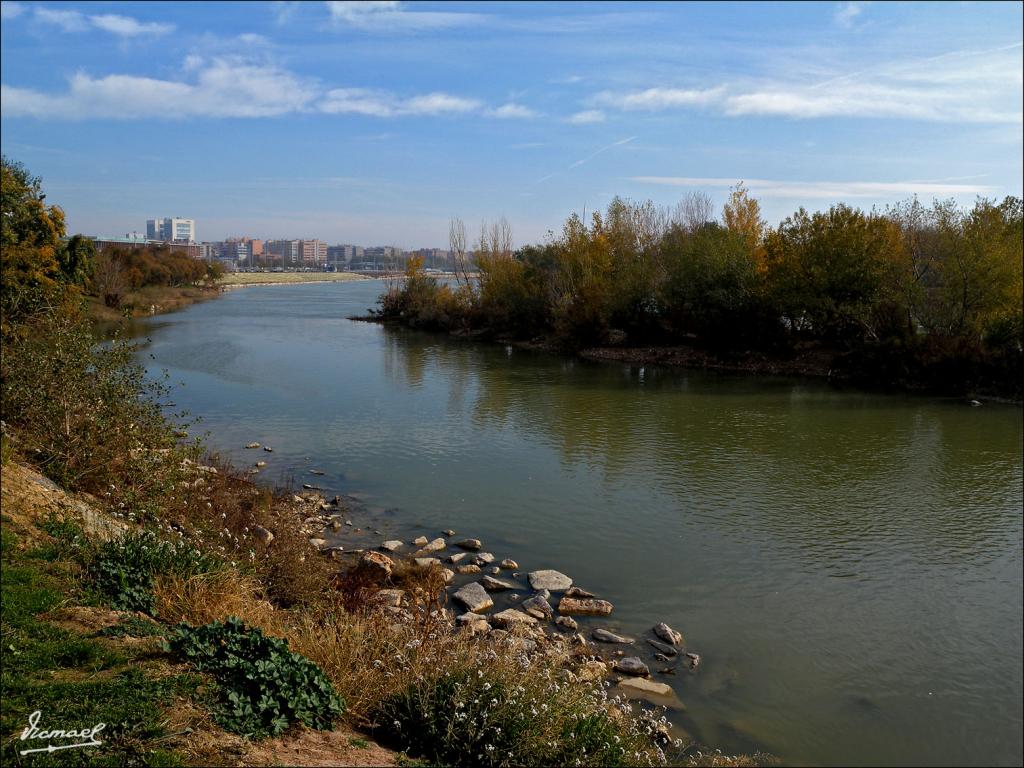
[124, 569]
[263, 686]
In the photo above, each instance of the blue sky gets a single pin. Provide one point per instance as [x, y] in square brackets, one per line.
[374, 123]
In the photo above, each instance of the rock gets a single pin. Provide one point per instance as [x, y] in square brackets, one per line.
[471, 544]
[579, 639]
[310, 487]
[604, 636]
[546, 594]
[508, 565]
[474, 597]
[656, 693]
[482, 558]
[316, 472]
[631, 665]
[426, 562]
[669, 635]
[335, 525]
[552, 580]
[665, 648]
[456, 557]
[448, 532]
[467, 569]
[261, 464]
[584, 607]
[473, 623]
[568, 623]
[392, 545]
[694, 659]
[268, 449]
[262, 534]
[538, 607]
[577, 592]
[434, 546]
[495, 570]
[512, 618]
[592, 670]
[318, 543]
[390, 597]
[298, 499]
[376, 564]
[974, 403]
[348, 523]
[252, 445]
[447, 574]
[492, 584]
[662, 657]
[419, 541]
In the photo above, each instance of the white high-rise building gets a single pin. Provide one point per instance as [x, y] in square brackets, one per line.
[171, 230]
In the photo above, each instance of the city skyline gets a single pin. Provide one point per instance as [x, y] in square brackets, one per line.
[377, 122]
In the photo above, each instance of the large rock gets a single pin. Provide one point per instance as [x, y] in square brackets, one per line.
[512, 618]
[262, 534]
[456, 557]
[464, 569]
[252, 445]
[656, 693]
[375, 564]
[435, 546]
[577, 592]
[388, 597]
[391, 546]
[552, 580]
[669, 635]
[482, 558]
[631, 665]
[426, 562]
[474, 597]
[318, 543]
[419, 541]
[604, 636]
[568, 623]
[665, 648]
[472, 544]
[571, 606]
[492, 584]
[447, 574]
[538, 607]
[508, 565]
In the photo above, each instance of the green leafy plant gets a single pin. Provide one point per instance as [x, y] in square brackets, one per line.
[263, 687]
[123, 569]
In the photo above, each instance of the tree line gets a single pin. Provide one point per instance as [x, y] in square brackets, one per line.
[912, 294]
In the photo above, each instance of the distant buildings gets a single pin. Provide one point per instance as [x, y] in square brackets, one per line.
[171, 230]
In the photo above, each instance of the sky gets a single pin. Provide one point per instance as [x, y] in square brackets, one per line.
[376, 122]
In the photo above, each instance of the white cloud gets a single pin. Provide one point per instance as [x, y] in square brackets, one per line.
[10, 10]
[512, 111]
[362, 101]
[654, 99]
[586, 117]
[124, 26]
[390, 15]
[846, 13]
[834, 190]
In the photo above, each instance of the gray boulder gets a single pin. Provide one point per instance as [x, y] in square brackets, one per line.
[548, 579]
[474, 597]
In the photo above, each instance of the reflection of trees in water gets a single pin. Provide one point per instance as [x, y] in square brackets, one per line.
[842, 476]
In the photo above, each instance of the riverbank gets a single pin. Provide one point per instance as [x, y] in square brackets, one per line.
[240, 279]
[148, 301]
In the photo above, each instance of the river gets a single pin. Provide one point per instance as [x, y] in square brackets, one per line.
[848, 564]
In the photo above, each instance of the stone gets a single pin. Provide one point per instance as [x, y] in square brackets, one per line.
[262, 534]
[694, 659]
[447, 574]
[318, 543]
[604, 636]
[592, 670]
[419, 541]
[631, 665]
[252, 445]
[568, 623]
[548, 579]
[545, 593]
[464, 569]
[474, 597]
[448, 532]
[389, 597]
[348, 523]
[434, 546]
[261, 463]
[492, 584]
[376, 564]
[584, 607]
[656, 693]
[268, 449]
[538, 607]
[311, 487]
[316, 472]
[471, 544]
[391, 546]
[669, 635]
[577, 592]
[661, 657]
[508, 565]
[665, 648]
[482, 558]
[298, 499]
[579, 639]
[495, 570]
[512, 618]
[456, 557]
[426, 562]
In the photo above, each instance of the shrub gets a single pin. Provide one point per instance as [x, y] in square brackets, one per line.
[263, 686]
[124, 569]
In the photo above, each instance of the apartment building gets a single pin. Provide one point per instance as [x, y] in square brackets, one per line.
[171, 230]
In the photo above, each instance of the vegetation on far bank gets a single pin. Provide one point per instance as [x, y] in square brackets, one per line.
[911, 296]
[274, 278]
[146, 594]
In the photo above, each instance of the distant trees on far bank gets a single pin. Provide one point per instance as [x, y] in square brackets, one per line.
[911, 293]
